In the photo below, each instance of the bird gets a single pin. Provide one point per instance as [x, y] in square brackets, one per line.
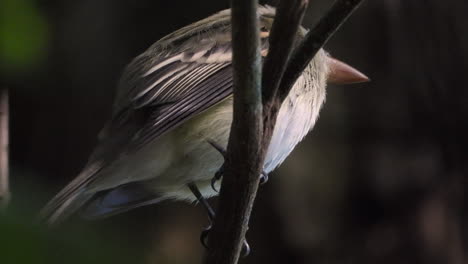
[173, 109]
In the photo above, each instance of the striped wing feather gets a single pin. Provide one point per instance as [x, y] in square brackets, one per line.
[159, 90]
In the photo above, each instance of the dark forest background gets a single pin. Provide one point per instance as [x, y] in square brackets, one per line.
[381, 179]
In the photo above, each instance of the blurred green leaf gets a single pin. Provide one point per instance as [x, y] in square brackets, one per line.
[23, 35]
[22, 242]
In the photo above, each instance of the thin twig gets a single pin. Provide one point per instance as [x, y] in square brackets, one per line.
[255, 112]
[282, 39]
[4, 116]
[314, 40]
[288, 17]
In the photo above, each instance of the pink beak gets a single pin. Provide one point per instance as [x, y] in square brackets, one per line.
[342, 73]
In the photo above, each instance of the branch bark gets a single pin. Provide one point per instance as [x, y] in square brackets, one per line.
[256, 107]
[243, 162]
[282, 39]
[288, 17]
[314, 40]
[4, 116]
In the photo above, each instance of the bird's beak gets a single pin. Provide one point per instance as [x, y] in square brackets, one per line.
[342, 73]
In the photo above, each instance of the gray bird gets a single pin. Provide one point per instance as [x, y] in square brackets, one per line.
[172, 101]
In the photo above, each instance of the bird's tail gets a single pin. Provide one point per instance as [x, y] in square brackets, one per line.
[71, 198]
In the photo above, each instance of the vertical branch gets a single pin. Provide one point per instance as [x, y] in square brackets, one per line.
[243, 162]
[255, 112]
[247, 144]
[4, 116]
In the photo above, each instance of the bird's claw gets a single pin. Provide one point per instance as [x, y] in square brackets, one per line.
[204, 241]
[263, 178]
[217, 177]
[220, 172]
[218, 147]
[204, 234]
[204, 237]
[245, 249]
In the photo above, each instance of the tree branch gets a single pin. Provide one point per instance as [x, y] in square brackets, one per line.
[246, 149]
[255, 112]
[243, 162]
[314, 40]
[288, 17]
[4, 116]
[282, 39]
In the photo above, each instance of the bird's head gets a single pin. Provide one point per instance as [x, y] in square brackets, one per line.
[336, 71]
[217, 29]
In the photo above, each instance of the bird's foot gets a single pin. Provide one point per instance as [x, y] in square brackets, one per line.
[204, 236]
[263, 178]
[211, 215]
[219, 173]
[218, 147]
[204, 241]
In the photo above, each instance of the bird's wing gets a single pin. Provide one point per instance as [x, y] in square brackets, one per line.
[179, 87]
[164, 92]
[159, 90]
[118, 200]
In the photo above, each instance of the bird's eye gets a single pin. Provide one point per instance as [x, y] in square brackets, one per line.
[263, 29]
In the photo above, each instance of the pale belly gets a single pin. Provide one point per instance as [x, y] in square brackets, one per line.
[184, 154]
[198, 161]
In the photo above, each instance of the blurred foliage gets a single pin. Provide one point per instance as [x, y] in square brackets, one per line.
[23, 242]
[23, 35]
[381, 179]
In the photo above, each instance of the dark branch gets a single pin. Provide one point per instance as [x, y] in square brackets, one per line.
[243, 162]
[314, 40]
[4, 116]
[288, 17]
[282, 38]
[255, 112]
[247, 143]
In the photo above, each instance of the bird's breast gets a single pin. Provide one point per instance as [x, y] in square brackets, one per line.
[296, 118]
